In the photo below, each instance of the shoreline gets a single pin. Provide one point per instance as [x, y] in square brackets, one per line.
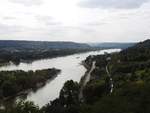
[87, 67]
[29, 61]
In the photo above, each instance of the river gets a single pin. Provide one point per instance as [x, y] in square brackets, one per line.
[70, 66]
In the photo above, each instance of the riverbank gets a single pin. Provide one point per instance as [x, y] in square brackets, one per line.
[87, 67]
[29, 57]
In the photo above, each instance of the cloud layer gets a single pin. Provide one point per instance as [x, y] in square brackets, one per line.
[121, 4]
[64, 20]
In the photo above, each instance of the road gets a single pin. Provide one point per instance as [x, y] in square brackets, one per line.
[86, 80]
[111, 80]
[88, 76]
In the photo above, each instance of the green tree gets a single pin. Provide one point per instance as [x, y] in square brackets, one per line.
[69, 93]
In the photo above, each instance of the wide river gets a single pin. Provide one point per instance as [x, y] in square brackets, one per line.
[70, 66]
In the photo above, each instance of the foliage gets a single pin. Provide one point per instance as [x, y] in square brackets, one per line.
[13, 82]
[23, 107]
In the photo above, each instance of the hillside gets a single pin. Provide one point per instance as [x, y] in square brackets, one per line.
[122, 84]
[139, 52]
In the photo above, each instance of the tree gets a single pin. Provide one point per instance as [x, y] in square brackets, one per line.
[69, 93]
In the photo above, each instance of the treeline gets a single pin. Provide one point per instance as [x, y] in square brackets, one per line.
[13, 82]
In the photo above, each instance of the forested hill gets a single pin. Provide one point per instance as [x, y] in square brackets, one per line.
[9, 44]
[145, 44]
[13, 45]
[139, 52]
[127, 75]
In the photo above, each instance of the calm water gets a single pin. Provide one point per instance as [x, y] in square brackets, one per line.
[70, 69]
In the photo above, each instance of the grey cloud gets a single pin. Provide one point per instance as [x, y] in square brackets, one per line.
[27, 2]
[120, 4]
[47, 20]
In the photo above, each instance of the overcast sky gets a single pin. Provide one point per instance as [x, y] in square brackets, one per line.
[75, 20]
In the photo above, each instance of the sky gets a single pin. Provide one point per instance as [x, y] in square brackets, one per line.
[75, 20]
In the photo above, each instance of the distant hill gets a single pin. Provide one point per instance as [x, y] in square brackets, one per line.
[9, 44]
[111, 45]
[14, 45]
